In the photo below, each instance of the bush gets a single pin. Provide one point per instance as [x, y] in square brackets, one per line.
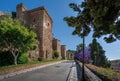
[63, 58]
[40, 59]
[6, 58]
[23, 58]
[55, 54]
[106, 74]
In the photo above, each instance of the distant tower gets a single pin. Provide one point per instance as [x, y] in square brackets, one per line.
[20, 11]
[47, 34]
[57, 46]
[40, 19]
[63, 51]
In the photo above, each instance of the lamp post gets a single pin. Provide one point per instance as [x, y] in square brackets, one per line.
[83, 72]
[83, 77]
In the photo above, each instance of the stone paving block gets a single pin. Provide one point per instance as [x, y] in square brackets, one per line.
[73, 74]
[11, 74]
[1, 77]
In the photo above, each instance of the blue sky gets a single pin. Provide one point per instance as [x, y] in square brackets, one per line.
[58, 9]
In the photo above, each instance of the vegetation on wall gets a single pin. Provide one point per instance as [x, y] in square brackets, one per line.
[55, 54]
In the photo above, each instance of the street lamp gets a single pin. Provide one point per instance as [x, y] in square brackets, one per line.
[83, 78]
[83, 72]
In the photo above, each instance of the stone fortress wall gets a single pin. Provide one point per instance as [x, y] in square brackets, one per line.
[42, 23]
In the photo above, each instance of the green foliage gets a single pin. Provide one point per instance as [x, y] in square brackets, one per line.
[6, 58]
[13, 15]
[100, 15]
[40, 59]
[71, 51]
[55, 54]
[14, 37]
[106, 74]
[79, 47]
[23, 58]
[98, 54]
[63, 58]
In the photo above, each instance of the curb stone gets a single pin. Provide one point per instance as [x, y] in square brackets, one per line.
[73, 73]
[91, 76]
[26, 70]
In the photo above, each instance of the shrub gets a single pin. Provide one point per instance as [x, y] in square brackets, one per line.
[23, 58]
[6, 58]
[55, 54]
[106, 74]
[40, 59]
[63, 58]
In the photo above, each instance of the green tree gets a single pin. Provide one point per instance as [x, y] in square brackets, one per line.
[100, 15]
[14, 37]
[79, 47]
[98, 54]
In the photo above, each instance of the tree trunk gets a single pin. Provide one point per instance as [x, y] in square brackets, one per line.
[15, 55]
[15, 60]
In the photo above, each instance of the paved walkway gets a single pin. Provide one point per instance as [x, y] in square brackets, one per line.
[60, 71]
[26, 70]
[75, 73]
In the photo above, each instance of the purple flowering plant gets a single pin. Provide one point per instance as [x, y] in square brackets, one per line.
[87, 57]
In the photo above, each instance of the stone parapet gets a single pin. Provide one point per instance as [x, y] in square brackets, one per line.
[90, 76]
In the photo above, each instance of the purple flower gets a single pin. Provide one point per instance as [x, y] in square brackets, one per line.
[87, 57]
[114, 79]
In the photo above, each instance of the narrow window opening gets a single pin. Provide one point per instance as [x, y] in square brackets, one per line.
[34, 20]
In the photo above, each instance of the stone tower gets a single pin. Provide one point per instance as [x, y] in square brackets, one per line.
[63, 51]
[42, 23]
[57, 46]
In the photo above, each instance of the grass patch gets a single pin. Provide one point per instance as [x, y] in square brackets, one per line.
[14, 68]
[29, 63]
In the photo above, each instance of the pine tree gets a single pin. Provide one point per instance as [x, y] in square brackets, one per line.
[100, 15]
[98, 54]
